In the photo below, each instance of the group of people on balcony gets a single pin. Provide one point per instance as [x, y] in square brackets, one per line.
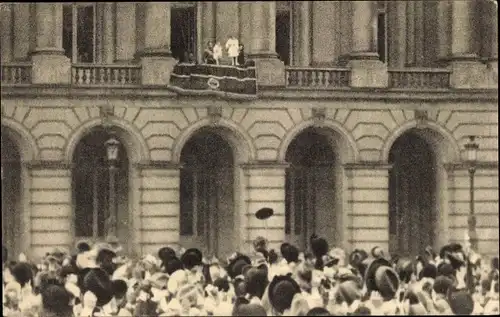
[214, 53]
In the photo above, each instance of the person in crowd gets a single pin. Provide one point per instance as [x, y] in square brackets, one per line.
[232, 48]
[208, 54]
[180, 282]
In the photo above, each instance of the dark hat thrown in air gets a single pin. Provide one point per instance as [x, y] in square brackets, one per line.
[264, 213]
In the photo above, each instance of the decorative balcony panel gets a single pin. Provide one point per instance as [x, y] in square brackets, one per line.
[228, 82]
[16, 73]
[105, 75]
[317, 78]
[419, 78]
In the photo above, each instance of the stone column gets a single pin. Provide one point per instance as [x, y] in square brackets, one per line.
[366, 215]
[125, 31]
[366, 68]
[270, 70]
[304, 38]
[265, 187]
[156, 57]
[160, 207]
[6, 32]
[467, 71]
[108, 36]
[444, 27]
[50, 65]
[51, 218]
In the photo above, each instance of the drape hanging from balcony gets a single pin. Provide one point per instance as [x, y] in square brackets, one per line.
[227, 82]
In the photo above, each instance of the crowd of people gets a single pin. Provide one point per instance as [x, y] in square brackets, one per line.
[99, 280]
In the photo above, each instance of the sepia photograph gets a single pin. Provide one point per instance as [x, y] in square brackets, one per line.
[249, 158]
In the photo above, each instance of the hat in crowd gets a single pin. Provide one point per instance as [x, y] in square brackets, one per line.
[249, 310]
[256, 282]
[239, 285]
[166, 254]
[442, 284]
[191, 258]
[260, 243]
[404, 267]
[281, 291]
[22, 273]
[318, 311]
[429, 271]
[445, 269]
[105, 253]
[56, 299]
[173, 265]
[453, 253]
[357, 257]
[377, 252]
[222, 284]
[98, 282]
[349, 291]
[236, 265]
[319, 247]
[460, 301]
[289, 252]
[119, 287]
[494, 263]
[82, 246]
[381, 277]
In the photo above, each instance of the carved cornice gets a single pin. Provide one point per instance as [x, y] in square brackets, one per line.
[48, 165]
[367, 166]
[158, 165]
[465, 166]
[265, 165]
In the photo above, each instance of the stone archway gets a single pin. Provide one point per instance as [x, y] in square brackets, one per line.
[209, 193]
[12, 195]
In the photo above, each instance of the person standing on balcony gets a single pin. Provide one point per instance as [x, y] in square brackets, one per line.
[217, 52]
[208, 54]
[241, 54]
[232, 47]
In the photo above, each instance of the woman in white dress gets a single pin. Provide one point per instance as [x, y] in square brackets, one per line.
[232, 47]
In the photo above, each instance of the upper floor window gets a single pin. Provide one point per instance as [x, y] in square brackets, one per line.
[284, 31]
[79, 32]
[183, 26]
[382, 30]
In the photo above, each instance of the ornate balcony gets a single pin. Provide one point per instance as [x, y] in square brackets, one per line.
[16, 74]
[317, 78]
[419, 78]
[105, 75]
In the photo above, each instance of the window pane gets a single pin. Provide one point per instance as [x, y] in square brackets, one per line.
[85, 34]
[183, 28]
[381, 40]
[68, 30]
[283, 36]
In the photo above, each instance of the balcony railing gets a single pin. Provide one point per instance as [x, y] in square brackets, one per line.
[317, 78]
[419, 78]
[16, 73]
[104, 75]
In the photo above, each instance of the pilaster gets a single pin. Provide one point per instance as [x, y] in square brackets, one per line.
[270, 70]
[265, 187]
[50, 220]
[6, 32]
[367, 209]
[50, 66]
[159, 207]
[156, 58]
[467, 71]
[366, 68]
[125, 31]
[109, 35]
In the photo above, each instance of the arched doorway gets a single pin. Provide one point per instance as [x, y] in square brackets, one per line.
[207, 216]
[93, 180]
[310, 189]
[11, 194]
[413, 206]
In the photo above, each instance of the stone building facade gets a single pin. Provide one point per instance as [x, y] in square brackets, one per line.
[357, 134]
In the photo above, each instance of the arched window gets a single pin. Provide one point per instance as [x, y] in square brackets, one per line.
[382, 30]
[80, 32]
